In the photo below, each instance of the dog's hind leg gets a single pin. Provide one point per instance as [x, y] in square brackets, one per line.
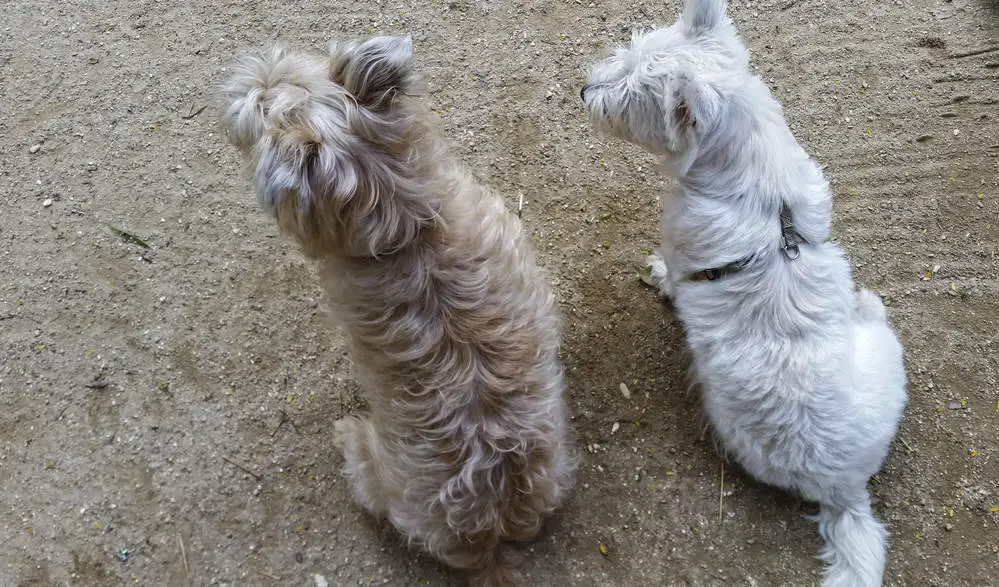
[357, 439]
[869, 307]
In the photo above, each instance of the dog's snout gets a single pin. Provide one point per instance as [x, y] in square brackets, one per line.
[582, 92]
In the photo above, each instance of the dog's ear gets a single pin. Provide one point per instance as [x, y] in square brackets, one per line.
[374, 70]
[301, 181]
[264, 85]
[702, 15]
[335, 198]
[682, 116]
[698, 104]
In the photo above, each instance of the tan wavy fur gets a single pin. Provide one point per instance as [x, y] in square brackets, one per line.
[453, 326]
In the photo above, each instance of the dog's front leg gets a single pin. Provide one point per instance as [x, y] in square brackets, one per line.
[358, 441]
[660, 274]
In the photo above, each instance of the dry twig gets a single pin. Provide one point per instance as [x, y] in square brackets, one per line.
[242, 468]
[721, 493]
[268, 575]
[191, 113]
[183, 556]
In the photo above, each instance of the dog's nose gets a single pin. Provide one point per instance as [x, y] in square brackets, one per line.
[582, 92]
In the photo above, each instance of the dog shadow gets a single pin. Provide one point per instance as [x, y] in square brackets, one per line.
[639, 341]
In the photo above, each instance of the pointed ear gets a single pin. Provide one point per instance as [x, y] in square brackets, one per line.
[702, 15]
[698, 106]
[373, 70]
[682, 116]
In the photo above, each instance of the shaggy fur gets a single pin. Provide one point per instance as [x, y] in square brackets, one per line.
[800, 375]
[453, 326]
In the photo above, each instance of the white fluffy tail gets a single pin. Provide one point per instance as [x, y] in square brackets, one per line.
[855, 545]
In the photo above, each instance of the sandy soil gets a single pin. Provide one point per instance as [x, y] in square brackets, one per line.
[176, 400]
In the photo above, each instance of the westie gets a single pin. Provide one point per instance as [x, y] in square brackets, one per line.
[453, 326]
[800, 374]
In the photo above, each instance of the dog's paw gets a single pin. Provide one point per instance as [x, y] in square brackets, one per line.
[344, 433]
[659, 275]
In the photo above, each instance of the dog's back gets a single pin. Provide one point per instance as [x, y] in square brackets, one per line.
[468, 375]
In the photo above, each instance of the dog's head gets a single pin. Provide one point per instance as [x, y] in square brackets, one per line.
[669, 85]
[329, 141]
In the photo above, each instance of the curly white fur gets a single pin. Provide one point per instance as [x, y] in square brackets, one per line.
[454, 329]
[800, 374]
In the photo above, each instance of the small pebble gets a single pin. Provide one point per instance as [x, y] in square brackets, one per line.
[615, 427]
[320, 581]
[47, 202]
[34, 149]
[625, 391]
[948, 527]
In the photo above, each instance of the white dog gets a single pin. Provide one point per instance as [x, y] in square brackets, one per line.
[800, 374]
[453, 325]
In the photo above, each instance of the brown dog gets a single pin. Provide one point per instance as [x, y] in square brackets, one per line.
[453, 326]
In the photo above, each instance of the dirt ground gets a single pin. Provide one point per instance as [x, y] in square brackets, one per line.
[177, 400]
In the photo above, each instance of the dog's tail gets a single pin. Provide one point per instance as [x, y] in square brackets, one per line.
[500, 568]
[855, 544]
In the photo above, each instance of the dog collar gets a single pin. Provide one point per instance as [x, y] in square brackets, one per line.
[790, 240]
